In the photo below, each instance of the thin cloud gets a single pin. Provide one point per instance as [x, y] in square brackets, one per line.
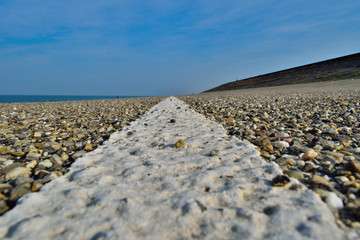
[196, 43]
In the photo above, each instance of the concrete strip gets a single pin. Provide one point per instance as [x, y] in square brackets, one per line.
[139, 186]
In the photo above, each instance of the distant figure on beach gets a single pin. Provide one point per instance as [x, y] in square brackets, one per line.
[117, 97]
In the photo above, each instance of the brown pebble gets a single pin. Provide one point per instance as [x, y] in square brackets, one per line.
[36, 186]
[316, 179]
[88, 147]
[2, 197]
[180, 144]
[264, 154]
[230, 120]
[3, 207]
[341, 172]
[280, 181]
[309, 166]
[269, 147]
[311, 154]
[294, 174]
[354, 165]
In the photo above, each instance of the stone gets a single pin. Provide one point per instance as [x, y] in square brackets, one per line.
[56, 160]
[300, 163]
[39, 145]
[285, 161]
[5, 149]
[354, 209]
[280, 181]
[49, 149]
[37, 134]
[355, 166]
[64, 156]
[10, 166]
[180, 144]
[341, 179]
[294, 174]
[31, 164]
[296, 158]
[354, 150]
[311, 154]
[295, 150]
[79, 145]
[40, 173]
[334, 201]
[69, 143]
[5, 186]
[316, 179]
[281, 144]
[88, 147]
[264, 154]
[78, 154]
[33, 156]
[351, 184]
[341, 172]
[337, 155]
[269, 147]
[331, 131]
[35, 150]
[3, 207]
[55, 145]
[20, 191]
[36, 186]
[19, 171]
[55, 174]
[18, 154]
[230, 120]
[46, 163]
[214, 153]
[3, 197]
[3, 159]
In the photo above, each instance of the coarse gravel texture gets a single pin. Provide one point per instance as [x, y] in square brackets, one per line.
[172, 174]
[39, 141]
[311, 130]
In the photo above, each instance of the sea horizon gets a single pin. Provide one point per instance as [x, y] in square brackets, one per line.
[18, 98]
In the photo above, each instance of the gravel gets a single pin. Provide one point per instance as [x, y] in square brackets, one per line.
[39, 141]
[313, 133]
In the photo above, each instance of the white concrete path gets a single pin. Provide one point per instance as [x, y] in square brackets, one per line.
[138, 186]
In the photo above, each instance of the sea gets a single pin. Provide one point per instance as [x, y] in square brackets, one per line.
[53, 98]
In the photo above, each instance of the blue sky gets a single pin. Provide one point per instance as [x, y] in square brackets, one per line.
[158, 47]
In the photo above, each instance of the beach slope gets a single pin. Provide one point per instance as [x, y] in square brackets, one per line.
[171, 174]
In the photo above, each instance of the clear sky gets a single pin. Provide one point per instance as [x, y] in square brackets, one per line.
[158, 47]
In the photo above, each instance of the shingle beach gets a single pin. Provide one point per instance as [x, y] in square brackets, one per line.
[38, 141]
[186, 177]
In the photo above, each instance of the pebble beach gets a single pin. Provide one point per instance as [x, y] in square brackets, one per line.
[39, 141]
[312, 131]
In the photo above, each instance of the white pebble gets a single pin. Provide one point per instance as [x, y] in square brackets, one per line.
[46, 163]
[8, 162]
[334, 201]
[290, 156]
[281, 144]
[318, 147]
[341, 179]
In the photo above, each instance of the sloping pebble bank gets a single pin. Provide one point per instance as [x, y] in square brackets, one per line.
[172, 174]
